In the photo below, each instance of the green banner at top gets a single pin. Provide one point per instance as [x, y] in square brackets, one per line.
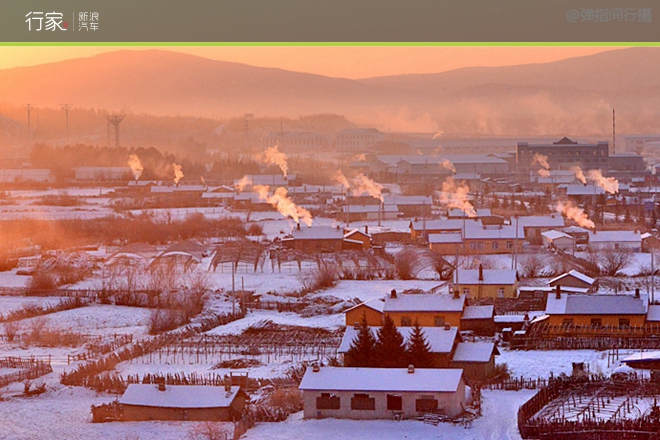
[325, 21]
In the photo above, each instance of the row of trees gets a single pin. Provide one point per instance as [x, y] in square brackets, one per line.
[388, 349]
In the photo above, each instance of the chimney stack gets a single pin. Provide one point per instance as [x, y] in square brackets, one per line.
[161, 383]
[481, 272]
[637, 292]
[456, 294]
[298, 226]
[393, 294]
[447, 327]
[315, 367]
[558, 290]
[411, 369]
[366, 229]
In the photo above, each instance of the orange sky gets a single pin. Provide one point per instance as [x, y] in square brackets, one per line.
[347, 62]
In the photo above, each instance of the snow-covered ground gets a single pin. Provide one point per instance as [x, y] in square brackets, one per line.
[13, 303]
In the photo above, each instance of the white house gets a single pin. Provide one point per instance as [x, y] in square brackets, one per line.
[615, 240]
[381, 393]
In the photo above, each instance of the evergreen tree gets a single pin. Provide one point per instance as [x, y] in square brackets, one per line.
[390, 347]
[419, 350]
[362, 350]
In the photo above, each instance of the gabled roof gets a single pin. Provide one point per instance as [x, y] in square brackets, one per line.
[548, 289]
[446, 238]
[491, 276]
[179, 396]
[439, 339]
[376, 304]
[474, 351]
[318, 233]
[575, 274]
[357, 232]
[504, 232]
[541, 221]
[424, 303]
[615, 236]
[432, 380]
[444, 224]
[596, 305]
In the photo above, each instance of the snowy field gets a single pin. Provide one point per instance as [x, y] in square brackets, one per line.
[13, 303]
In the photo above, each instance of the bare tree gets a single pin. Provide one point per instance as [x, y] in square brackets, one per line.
[532, 266]
[613, 262]
[207, 431]
[11, 330]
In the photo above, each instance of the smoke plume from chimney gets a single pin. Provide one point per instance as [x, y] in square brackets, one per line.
[284, 205]
[453, 196]
[273, 156]
[135, 164]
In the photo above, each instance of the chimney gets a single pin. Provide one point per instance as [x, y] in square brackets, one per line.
[558, 290]
[637, 292]
[411, 369]
[366, 229]
[161, 383]
[298, 226]
[481, 272]
[447, 327]
[315, 367]
[456, 294]
[227, 387]
[393, 294]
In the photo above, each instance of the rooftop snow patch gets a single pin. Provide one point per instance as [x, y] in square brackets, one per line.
[478, 312]
[596, 305]
[424, 303]
[614, 236]
[318, 233]
[178, 396]
[554, 235]
[433, 380]
[446, 238]
[377, 304]
[575, 274]
[474, 351]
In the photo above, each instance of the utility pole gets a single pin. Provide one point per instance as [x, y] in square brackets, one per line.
[66, 108]
[29, 108]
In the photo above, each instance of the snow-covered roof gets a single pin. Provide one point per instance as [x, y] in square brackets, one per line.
[491, 276]
[654, 313]
[575, 229]
[478, 312]
[474, 351]
[439, 339]
[596, 305]
[446, 238]
[189, 248]
[432, 380]
[539, 221]
[575, 274]
[356, 232]
[548, 289]
[408, 200]
[642, 356]
[359, 209]
[217, 195]
[579, 189]
[614, 236]
[477, 232]
[424, 303]
[460, 213]
[178, 396]
[374, 303]
[444, 224]
[318, 233]
[554, 235]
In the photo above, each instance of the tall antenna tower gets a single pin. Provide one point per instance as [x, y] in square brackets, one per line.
[113, 127]
[29, 108]
[613, 132]
[66, 108]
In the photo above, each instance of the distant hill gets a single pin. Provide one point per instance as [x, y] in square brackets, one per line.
[573, 96]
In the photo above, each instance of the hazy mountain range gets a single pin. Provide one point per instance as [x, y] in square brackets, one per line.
[572, 96]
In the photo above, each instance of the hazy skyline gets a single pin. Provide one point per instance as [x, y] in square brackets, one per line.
[337, 61]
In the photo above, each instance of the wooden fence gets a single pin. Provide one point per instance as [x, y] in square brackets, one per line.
[30, 369]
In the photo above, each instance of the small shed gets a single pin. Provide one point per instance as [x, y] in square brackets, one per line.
[381, 393]
[558, 240]
[479, 319]
[141, 402]
[573, 278]
[477, 359]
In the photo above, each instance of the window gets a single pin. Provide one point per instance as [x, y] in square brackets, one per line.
[596, 322]
[439, 321]
[426, 404]
[473, 246]
[509, 245]
[495, 245]
[500, 292]
[394, 402]
[624, 323]
[363, 402]
[328, 401]
[406, 321]
[466, 291]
